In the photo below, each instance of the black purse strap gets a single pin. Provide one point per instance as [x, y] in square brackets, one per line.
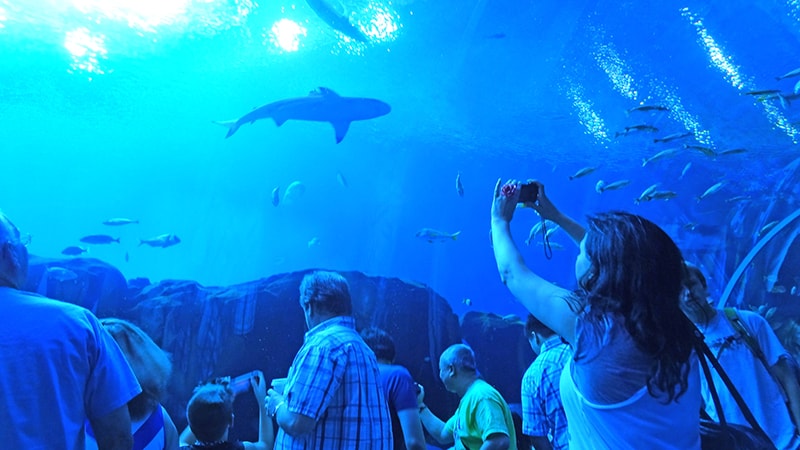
[705, 355]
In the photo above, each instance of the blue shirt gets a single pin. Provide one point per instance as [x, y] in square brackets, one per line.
[542, 411]
[401, 395]
[334, 379]
[58, 367]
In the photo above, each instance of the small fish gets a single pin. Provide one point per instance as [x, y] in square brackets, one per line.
[583, 172]
[659, 195]
[778, 289]
[550, 231]
[74, 250]
[342, 180]
[549, 225]
[119, 221]
[711, 190]
[293, 192]
[794, 290]
[660, 155]
[673, 137]
[632, 128]
[313, 242]
[690, 226]
[738, 198]
[467, 301]
[646, 193]
[733, 151]
[685, 169]
[708, 151]
[99, 239]
[789, 74]
[647, 108]
[602, 186]
[763, 92]
[766, 228]
[431, 235]
[496, 36]
[459, 186]
[163, 241]
[276, 196]
[512, 318]
[553, 245]
[61, 274]
[796, 89]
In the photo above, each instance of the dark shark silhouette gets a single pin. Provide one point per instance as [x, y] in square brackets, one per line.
[337, 21]
[322, 105]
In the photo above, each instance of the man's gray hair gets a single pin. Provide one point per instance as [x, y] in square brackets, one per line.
[328, 291]
[462, 357]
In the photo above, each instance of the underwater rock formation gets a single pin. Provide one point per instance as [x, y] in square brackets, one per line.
[87, 282]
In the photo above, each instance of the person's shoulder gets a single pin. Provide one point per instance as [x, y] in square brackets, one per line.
[752, 317]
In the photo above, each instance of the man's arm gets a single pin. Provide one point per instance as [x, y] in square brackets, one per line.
[412, 429]
[187, 437]
[496, 441]
[113, 430]
[170, 432]
[435, 426]
[784, 373]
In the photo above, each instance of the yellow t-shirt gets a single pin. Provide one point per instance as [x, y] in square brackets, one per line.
[481, 412]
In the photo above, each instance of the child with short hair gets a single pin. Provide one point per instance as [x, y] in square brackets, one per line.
[210, 416]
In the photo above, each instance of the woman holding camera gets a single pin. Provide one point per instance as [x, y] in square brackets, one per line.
[633, 381]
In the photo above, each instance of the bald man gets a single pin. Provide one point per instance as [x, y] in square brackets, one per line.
[58, 366]
[482, 420]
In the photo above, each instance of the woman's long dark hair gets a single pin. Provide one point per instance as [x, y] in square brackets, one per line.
[637, 271]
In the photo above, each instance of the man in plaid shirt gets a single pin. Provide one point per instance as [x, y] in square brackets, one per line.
[543, 417]
[332, 399]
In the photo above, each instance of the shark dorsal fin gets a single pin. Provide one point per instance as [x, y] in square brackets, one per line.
[323, 91]
[341, 129]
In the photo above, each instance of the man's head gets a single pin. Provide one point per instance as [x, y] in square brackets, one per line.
[324, 295]
[536, 332]
[381, 344]
[694, 299]
[210, 412]
[457, 368]
[13, 255]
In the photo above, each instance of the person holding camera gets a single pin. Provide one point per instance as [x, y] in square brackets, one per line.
[634, 380]
[210, 416]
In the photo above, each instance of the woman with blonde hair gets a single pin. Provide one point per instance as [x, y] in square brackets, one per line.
[151, 426]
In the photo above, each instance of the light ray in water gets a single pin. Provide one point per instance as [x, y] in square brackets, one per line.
[3, 17]
[679, 113]
[586, 114]
[716, 54]
[86, 50]
[144, 15]
[617, 71]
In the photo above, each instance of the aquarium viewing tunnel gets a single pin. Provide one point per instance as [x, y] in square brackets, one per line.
[182, 163]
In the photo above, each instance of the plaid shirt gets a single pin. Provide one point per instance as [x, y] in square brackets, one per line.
[542, 412]
[334, 379]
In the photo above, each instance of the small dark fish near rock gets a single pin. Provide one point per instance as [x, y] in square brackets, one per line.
[163, 241]
[74, 250]
[99, 239]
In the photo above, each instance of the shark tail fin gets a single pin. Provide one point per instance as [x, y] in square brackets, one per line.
[231, 125]
[454, 236]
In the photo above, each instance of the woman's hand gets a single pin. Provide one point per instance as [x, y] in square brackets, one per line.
[543, 205]
[505, 200]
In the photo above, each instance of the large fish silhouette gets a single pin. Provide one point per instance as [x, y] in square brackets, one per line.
[322, 105]
[336, 20]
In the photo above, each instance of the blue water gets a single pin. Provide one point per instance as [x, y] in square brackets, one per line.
[108, 113]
